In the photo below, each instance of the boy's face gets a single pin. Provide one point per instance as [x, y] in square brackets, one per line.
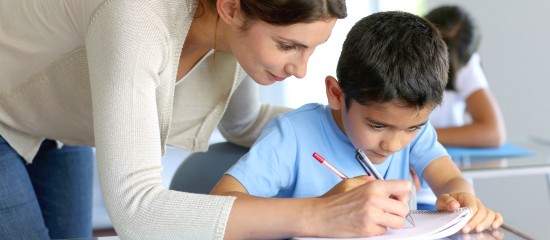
[378, 129]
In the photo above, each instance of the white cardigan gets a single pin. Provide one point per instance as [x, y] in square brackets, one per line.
[103, 73]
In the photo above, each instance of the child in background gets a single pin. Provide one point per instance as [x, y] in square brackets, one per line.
[391, 75]
[467, 89]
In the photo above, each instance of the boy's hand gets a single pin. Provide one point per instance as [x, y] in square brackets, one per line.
[483, 217]
[348, 184]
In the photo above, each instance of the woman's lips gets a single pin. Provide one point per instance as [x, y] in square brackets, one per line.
[276, 78]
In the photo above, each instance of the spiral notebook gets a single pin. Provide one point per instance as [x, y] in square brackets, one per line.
[428, 225]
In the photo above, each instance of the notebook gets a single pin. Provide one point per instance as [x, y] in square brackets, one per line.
[429, 225]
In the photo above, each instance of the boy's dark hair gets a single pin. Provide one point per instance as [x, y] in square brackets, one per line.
[460, 33]
[393, 56]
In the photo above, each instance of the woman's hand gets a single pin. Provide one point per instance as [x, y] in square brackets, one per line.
[483, 217]
[365, 210]
[348, 184]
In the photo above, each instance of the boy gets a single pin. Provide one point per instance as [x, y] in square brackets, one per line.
[391, 75]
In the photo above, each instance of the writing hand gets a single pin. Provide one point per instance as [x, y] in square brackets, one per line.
[348, 184]
[365, 210]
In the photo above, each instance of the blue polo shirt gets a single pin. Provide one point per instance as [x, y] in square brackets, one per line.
[280, 163]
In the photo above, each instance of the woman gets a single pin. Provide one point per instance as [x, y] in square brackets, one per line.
[467, 89]
[132, 76]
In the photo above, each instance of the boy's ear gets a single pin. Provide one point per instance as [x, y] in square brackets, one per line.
[230, 11]
[335, 95]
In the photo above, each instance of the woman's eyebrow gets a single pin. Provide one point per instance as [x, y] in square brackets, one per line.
[294, 41]
[303, 45]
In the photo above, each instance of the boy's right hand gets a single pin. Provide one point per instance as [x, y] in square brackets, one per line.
[366, 210]
[348, 184]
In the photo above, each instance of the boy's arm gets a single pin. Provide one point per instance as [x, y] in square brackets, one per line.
[228, 184]
[444, 177]
[454, 191]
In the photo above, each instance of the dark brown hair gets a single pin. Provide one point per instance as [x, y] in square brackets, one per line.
[389, 56]
[287, 12]
[460, 33]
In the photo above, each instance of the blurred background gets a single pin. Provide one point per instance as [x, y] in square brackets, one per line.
[513, 52]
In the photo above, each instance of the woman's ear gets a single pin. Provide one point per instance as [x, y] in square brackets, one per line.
[335, 95]
[230, 11]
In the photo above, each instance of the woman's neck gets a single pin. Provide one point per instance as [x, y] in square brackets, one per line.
[205, 32]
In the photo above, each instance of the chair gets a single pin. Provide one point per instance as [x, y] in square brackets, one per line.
[200, 172]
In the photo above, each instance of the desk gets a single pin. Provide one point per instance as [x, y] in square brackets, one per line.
[517, 187]
[486, 235]
[531, 158]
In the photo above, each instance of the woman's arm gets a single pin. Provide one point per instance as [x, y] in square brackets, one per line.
[363, 211]
[444, 177]
[367, 211]
[128, 53]
[487, 127]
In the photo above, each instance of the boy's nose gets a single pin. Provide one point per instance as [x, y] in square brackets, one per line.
[392, 144]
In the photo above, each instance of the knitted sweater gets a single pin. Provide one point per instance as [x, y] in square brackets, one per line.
[103, 73]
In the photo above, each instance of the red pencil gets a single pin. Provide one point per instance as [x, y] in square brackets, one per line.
[329, 166]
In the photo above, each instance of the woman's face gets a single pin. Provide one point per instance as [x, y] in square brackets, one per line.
[270, 53]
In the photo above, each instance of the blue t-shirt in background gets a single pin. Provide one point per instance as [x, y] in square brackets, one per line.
[280, 163]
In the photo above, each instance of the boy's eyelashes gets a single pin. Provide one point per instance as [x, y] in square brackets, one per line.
[380, 127]
[415, 128]
[376, 127]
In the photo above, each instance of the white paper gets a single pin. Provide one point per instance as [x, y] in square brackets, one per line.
[429, 225]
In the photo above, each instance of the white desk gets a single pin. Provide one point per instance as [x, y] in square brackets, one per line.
[517, 187]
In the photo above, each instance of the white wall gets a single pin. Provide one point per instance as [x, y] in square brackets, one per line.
[515, 49]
